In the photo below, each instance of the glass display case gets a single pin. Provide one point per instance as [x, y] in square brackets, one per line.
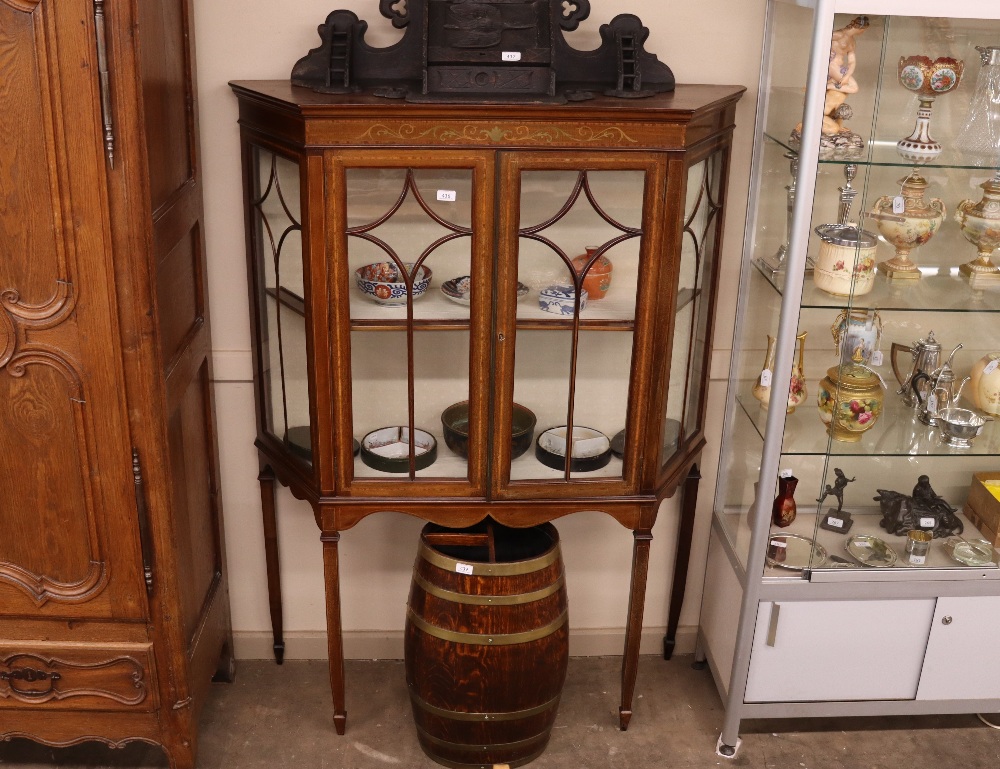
[845, 526]
[465, 312]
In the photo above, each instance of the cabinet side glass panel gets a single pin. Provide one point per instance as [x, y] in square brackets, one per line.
[409, 237]
[578, 269]
[276, 211]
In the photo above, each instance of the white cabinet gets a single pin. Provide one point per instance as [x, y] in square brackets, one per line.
[838, 650]
[967, 629]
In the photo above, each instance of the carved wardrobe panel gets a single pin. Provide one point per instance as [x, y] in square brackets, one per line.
[65, 478]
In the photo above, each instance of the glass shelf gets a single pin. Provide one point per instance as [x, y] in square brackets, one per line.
[866, 521]
[880, 153]
[939, 290]
[898, 433]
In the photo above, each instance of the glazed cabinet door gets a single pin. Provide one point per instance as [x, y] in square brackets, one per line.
[581, 260]
[409, 246]
[70, 544]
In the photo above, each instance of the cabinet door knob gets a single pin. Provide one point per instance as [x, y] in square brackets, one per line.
[946, 620]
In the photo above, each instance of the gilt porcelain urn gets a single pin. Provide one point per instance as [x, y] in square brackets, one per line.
[907, 221]
[980, 223]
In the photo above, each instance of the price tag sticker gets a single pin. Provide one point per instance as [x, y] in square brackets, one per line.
[877, 358]
[464, 568]
[932, 403]
[447, 196]
[898, 204]
[862, 543]
[927, 523]
[510, 56]
[778, 543]
[835, 522]
[765, 378]
[991, 367]
[918, 560]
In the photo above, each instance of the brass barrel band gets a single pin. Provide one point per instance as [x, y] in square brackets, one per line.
[508, 746]
[527, 759]
[454, 715]
[512, 569]
[485, 639]
[518, 599]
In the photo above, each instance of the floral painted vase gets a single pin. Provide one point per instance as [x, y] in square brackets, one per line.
[796, 387]
[980, 224]
[598, 278]
[928, 79]
[783, 509]
[850, 401]
[920, 220]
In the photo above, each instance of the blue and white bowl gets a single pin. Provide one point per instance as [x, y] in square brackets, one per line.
[382, 282]
[561, 299]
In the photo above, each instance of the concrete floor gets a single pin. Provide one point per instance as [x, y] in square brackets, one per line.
[276, 717]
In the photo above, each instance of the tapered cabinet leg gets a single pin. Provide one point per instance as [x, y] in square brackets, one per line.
[633, 628]
[267, 504]
[689, 504]
[331, 570]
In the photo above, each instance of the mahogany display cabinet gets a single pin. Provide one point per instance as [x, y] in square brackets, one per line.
[417, 266]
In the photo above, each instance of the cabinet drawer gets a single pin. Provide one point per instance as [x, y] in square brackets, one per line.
[77, 677]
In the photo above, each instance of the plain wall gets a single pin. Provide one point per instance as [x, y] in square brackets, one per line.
[711, 41]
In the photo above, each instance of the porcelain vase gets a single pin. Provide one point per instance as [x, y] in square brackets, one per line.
[796, 387]
[921, 219]
[783, 509]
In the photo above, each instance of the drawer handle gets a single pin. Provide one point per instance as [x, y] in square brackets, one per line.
[30, 676]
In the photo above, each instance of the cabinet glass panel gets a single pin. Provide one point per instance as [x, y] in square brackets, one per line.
[278, 261]
[409, 238]
[690, 346]
[578, 265]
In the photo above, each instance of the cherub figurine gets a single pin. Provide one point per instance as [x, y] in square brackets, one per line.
[839, 85]
[837, 489]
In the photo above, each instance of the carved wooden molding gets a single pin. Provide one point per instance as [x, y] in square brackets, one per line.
[113, 744]
[27, 6]
[33, 679]
[42, 589]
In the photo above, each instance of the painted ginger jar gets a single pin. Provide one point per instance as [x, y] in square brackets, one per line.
[597, 281]
[850, 401]
[984, 384]
[920, 221]
[980, 224]
[845, 265]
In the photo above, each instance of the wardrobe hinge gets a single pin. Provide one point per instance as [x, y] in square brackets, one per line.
[102, 68]
[144, 534]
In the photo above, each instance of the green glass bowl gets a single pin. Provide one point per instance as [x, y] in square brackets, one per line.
[455, 420]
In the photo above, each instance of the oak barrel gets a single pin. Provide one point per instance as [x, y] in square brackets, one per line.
[487, 643]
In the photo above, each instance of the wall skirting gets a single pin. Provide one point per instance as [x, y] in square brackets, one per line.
[364, 644]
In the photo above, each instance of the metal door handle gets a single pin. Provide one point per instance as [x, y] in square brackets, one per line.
[772, 628]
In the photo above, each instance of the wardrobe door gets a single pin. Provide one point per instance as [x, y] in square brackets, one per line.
[69, 533]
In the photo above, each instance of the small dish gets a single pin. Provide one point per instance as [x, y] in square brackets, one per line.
[455, 420]
[382, 282]
[561, 300]
[591, 449]
[970, 552]
[870, 551]
[959, 427]
[388, 449]
[794, 552]
[618, 444]
[459, 290]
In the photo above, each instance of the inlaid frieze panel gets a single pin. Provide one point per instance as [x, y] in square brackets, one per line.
[35, 679]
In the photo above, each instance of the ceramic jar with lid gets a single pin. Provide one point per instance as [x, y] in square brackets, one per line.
[984, 384]
[597, 281]
[850, 401]
[845, 265]
[911, 228]
[980, 223]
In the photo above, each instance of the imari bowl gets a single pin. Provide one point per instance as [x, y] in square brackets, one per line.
[383, 282]
[928, 77]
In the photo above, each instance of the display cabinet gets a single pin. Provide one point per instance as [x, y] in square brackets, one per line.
[442, 293]
[847, 552]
